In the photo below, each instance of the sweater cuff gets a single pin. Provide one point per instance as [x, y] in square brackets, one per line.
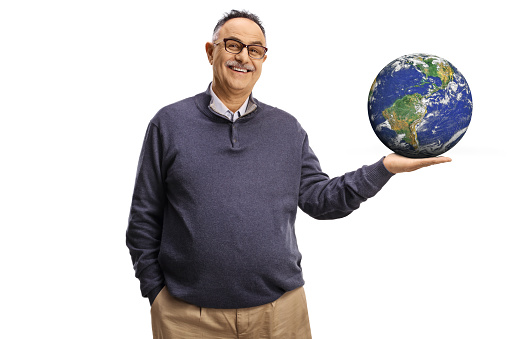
[151, 279]
[377, 176]
[383, 172]
[153, 294]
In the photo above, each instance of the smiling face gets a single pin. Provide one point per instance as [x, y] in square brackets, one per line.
[234, 75]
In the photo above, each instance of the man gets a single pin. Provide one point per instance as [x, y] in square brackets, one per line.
[220, 176]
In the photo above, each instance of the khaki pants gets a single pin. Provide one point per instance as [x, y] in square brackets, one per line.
[287, 318]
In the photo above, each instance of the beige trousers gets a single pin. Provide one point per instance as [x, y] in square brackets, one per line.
[287, 318]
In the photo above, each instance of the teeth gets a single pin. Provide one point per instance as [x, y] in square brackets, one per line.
[239, 69]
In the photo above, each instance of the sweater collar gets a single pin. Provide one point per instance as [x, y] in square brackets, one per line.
[217, 105]
[203, 101]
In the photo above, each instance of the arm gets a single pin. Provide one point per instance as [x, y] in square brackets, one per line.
[143, 236]
[324, 198]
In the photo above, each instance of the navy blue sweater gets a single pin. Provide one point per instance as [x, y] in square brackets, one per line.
[214, 203]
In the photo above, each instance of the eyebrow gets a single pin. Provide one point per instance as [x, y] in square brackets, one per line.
[252, 43]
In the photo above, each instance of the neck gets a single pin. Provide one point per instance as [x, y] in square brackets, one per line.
[232, 101]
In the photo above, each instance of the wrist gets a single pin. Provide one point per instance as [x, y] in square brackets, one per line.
[388, 166]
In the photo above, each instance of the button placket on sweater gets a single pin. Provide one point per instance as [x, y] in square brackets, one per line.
[235, 135]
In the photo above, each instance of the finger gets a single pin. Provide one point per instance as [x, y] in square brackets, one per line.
[432, 161]
[440, 160]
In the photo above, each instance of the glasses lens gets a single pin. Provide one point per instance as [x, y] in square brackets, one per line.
[233, 46]
[256, 52]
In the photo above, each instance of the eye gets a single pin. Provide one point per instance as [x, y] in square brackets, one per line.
[256, 51]
[233, 45]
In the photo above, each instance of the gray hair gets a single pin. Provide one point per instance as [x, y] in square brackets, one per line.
[236, 14]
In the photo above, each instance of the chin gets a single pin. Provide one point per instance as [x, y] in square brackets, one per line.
[239, 86]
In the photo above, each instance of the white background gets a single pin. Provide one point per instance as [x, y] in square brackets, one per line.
[426, 258]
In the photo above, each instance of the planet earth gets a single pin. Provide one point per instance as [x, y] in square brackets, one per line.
[420, 105]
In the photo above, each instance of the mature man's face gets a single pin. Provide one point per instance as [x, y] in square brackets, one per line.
[235, 74]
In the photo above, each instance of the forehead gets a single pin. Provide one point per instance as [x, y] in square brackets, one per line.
[244, 29]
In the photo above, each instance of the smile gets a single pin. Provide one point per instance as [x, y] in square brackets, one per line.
[237, 69]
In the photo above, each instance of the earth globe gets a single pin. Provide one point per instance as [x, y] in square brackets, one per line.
[420, 105]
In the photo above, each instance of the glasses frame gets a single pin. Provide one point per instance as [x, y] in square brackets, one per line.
[243, 46]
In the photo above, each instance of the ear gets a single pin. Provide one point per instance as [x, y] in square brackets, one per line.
[209, 48]
[264, 58]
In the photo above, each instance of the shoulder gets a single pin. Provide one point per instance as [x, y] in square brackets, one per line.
[281, 117]
[174, 111]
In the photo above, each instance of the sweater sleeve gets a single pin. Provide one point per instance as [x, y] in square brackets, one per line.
[324, 198]
[143, 236]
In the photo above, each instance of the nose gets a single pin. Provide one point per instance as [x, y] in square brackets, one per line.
[243, 56]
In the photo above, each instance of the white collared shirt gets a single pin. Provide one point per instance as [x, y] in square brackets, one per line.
[217, 105]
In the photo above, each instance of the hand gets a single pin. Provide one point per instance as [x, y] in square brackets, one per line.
[398, 164]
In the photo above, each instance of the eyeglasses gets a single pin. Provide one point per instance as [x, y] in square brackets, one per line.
[235, 47]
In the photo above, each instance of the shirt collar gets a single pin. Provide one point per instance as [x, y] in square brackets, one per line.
[217, 105]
